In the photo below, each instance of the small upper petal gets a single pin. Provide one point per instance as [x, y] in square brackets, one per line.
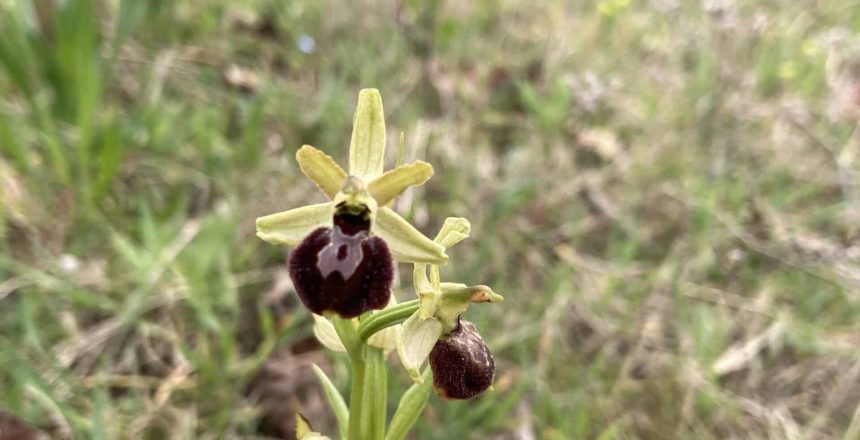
[425, 290]
[321, 169]
[391, 184]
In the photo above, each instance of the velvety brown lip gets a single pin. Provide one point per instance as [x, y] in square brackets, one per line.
[462, 364]
[344, 273]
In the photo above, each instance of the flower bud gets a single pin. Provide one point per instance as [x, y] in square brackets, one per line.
[462, 364]
[343, 269]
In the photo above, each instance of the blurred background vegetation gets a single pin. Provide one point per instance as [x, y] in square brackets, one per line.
[666, 193]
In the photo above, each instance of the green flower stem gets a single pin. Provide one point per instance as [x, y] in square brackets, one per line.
[410, 407]
[346, 330]
[356, 401]
[386, 318]
[355, 348]
[375, 395]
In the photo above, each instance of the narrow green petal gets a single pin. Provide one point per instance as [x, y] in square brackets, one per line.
[420, 280]
[406, 243]
[417, 338]
[435, 278]
[394, 182]
[455, 230]
[321, 169]
[291, 227]
[425, 291]
[367, 146]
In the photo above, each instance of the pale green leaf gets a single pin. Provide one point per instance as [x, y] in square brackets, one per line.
[291, 227]
[321, 169]
[396, 181]
[406, 243]
[417, 338]
[410, 407]
[367, 146]
[335, 400]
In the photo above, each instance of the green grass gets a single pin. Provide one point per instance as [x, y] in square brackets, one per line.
[651, 187]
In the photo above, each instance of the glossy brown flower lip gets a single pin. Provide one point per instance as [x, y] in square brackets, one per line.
[462, 364]
[342, 269]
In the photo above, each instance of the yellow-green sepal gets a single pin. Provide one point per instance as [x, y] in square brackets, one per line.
[455, 230]
[367, 145]
[291, 227]
[406, 243]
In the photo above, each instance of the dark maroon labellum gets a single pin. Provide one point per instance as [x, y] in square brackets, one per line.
[342, 269]
[462, 364]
